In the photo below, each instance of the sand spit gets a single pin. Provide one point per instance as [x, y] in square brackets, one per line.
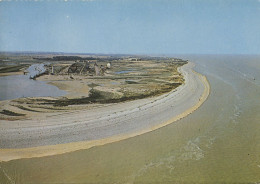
[66, 132]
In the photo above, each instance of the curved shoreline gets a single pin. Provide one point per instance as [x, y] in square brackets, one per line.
[147, 107]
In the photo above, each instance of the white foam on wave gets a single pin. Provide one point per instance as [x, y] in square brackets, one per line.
[192, 151]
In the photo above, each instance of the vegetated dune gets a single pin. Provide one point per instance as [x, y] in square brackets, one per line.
[62, 132]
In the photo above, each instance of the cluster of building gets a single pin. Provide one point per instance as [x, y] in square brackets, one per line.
[78, 67]
[86, 67]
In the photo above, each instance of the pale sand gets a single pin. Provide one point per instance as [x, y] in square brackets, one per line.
[66, 132]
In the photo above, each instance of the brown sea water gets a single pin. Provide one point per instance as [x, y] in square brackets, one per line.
[218, 143]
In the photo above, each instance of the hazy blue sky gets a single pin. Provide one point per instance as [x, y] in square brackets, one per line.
[132, 26]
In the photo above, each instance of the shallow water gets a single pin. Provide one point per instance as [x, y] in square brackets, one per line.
[124, 71]
[17, 86]
[218, 143]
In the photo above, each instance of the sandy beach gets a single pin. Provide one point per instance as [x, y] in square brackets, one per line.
[61, 132]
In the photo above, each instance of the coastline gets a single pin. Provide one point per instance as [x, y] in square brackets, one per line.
[152, 104]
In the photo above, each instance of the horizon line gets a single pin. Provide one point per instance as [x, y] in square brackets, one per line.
[112, 53]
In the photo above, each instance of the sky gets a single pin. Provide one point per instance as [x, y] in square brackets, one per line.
[131, 26]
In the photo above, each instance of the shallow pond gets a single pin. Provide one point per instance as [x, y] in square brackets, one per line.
[124, 71]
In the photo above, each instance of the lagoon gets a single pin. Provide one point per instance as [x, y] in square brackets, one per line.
[18, 86]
